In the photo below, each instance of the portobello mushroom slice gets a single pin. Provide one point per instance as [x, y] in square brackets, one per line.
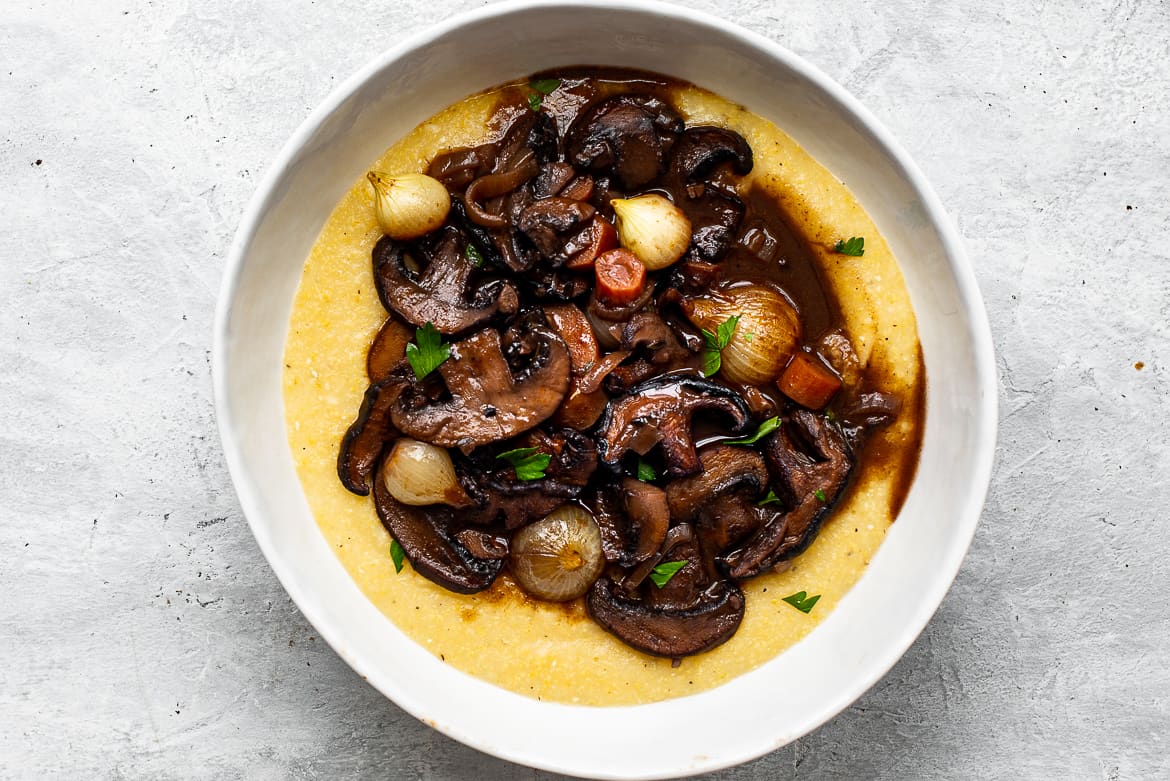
[551, 222]
[688, 615]
[626, 136]
[440, 295]
[487, 403]
[660, 410]
[388, 349]
[715, 218]
[720, 500]
[362, 445]
[633, 518]
[700, 149]
[427, 536]
[811, 462]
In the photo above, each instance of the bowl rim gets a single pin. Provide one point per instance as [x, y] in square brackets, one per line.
[986, 412]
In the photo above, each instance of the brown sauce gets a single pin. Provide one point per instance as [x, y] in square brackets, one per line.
[547, 650]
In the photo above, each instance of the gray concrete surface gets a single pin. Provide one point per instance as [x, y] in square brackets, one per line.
[142, 634]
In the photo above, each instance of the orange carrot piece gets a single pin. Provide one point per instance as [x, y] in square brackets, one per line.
[602, 238]
[621, 277]
[808, 382]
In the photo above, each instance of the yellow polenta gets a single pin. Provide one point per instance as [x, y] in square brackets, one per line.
[549, 651]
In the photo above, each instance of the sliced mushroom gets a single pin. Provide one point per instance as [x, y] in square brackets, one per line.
[388, 349]
[648, 514]
[726, 469]
[426, 536]
[584, 402]
[553, 178]
[362, 445]
[440, 295]
[715, 217]
[492, 203]
[627, 136]
[514, 503]
[633, 518]
[720, 500]
[487, 402]
[549, 223]
[700, 149]
[672, 631]
[458, 167]
[660, 410]
[483, 544]
[808, 455]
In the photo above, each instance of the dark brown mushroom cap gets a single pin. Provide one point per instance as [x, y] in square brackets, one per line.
[661, 410]
[511, 502]
[363, 442]
[550, 222]
[700, 149]
[458, 167]
[726, 469]
[668, 631]
[487, 403]
[440, 295]
[428, 538]
[715, 218]
[627, 136]
[633, 518]
[808, 454]
[388, 349]
[648, 332]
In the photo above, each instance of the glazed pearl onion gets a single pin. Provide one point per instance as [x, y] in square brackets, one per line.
[418, 473]
[558, 557]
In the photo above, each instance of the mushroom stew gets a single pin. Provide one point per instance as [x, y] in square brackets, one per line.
[609, 367]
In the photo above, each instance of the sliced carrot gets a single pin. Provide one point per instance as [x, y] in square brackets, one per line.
[808, 382]
[602, 238]
[621, 277]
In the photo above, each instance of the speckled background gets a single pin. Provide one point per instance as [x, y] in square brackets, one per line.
[142, 634]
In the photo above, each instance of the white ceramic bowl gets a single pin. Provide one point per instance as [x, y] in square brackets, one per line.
[879, 619]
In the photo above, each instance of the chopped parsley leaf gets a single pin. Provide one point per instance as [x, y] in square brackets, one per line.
[764, 429]
[528, 462]
[715, 342]
[855, 246]
[769, 499]
[428, 351]
[802, 601]
[662, 574]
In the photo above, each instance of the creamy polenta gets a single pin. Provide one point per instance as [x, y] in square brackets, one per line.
[552, 651]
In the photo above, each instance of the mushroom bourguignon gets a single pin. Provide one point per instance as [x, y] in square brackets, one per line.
[609, 368]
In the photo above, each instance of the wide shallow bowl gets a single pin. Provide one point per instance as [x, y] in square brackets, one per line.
[875, 623]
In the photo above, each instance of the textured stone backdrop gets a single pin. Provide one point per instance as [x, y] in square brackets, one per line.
[143, 636]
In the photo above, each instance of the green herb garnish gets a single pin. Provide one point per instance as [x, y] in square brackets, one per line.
[662, 574]
[528, 462]
[769, 499]
[716, 342]
[429, 352]
[854, 246]
[764, 429]
[802, 601]
[545, 86]
[397, 555]
[646, 472]
[474, 255]
[820, 495]
[541, 87]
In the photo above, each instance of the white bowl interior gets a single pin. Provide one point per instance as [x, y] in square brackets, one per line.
[905, 582]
